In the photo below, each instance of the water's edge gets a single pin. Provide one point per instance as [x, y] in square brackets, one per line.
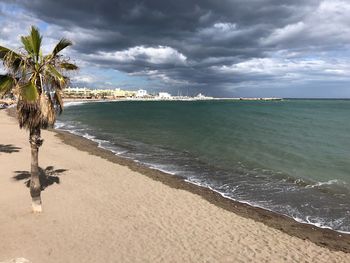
[106, 145]
[325, 237]
[242, 150]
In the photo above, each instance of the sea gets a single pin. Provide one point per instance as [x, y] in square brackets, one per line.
[291, 156]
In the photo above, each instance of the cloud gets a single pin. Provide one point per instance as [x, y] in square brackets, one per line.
[214, 46]
[84, 79]
[152, 55]
[277, 70]
[284, 34]
[326, 27]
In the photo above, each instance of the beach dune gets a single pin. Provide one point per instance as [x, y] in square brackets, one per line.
[95, 210]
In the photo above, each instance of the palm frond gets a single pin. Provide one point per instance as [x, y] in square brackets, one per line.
[68, 66]
[35, 39]
[4, 51]
[32, 43]
[11, 59]
[55, 84]
[47, 111]
[6, 84]
[59, 101]
[53, 72]
[62, 44]
[40, 113]
[28, 114]
[29, 92]
[27, 45]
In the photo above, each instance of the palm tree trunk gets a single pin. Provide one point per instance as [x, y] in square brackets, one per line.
[35, 187]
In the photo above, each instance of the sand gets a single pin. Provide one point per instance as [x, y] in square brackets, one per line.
[101, 211]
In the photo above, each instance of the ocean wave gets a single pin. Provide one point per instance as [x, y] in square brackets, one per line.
[161, 168]
[330, 182]
[292, 212]
[74, 103]
[333, 186]
[104, 144]
[59, 124]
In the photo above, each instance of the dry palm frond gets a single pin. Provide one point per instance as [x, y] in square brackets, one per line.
[28, 114]
[47, 110]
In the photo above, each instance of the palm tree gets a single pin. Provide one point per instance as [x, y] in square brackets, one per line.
[37, 82]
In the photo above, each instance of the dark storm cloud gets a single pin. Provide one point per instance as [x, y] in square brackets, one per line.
[205, 43]
[124, 23]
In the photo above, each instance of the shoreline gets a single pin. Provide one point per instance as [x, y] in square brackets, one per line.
[103, 208]
[324, 237]
[68, 100]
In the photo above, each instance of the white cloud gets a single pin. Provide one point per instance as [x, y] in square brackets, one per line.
[219, 31]
[84, 79]
[334, 10]
[328, 23]
[154, 55]
[285, 33]
[225, 26]
[284, 68]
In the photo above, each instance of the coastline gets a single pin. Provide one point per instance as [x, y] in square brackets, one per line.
[106, 209]
[320, 236]
[167, 99]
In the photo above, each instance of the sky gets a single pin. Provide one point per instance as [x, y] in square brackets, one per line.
[221, 48]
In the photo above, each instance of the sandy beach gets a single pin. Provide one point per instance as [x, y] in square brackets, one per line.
[96, 210]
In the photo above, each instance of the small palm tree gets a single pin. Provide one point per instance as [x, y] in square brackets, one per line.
[37, 82]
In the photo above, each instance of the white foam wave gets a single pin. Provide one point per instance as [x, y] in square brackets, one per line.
[73, 103]
[161, 169]
[319, 224]
[330, 182]
[59, 125]
[100, 143]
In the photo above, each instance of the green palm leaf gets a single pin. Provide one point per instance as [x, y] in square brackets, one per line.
[6, 84]
[35, 39]
[5, 51]
[55, 74]
[61, 45]
[10, 58]
[29, 92]
[32, 43]
[68, 66]
[27, 45]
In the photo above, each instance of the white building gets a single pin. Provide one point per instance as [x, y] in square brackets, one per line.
[164, 96]
[200, 96]
[141, 93]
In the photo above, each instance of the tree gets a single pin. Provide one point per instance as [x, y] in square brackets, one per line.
[37, 82]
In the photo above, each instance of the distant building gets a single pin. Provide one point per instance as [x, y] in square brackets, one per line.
[84, 93]
[130, 94]
[77, 93]
[200, 96]
[141, 93]
[119, 93]
[102, 93]
[164, 96]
